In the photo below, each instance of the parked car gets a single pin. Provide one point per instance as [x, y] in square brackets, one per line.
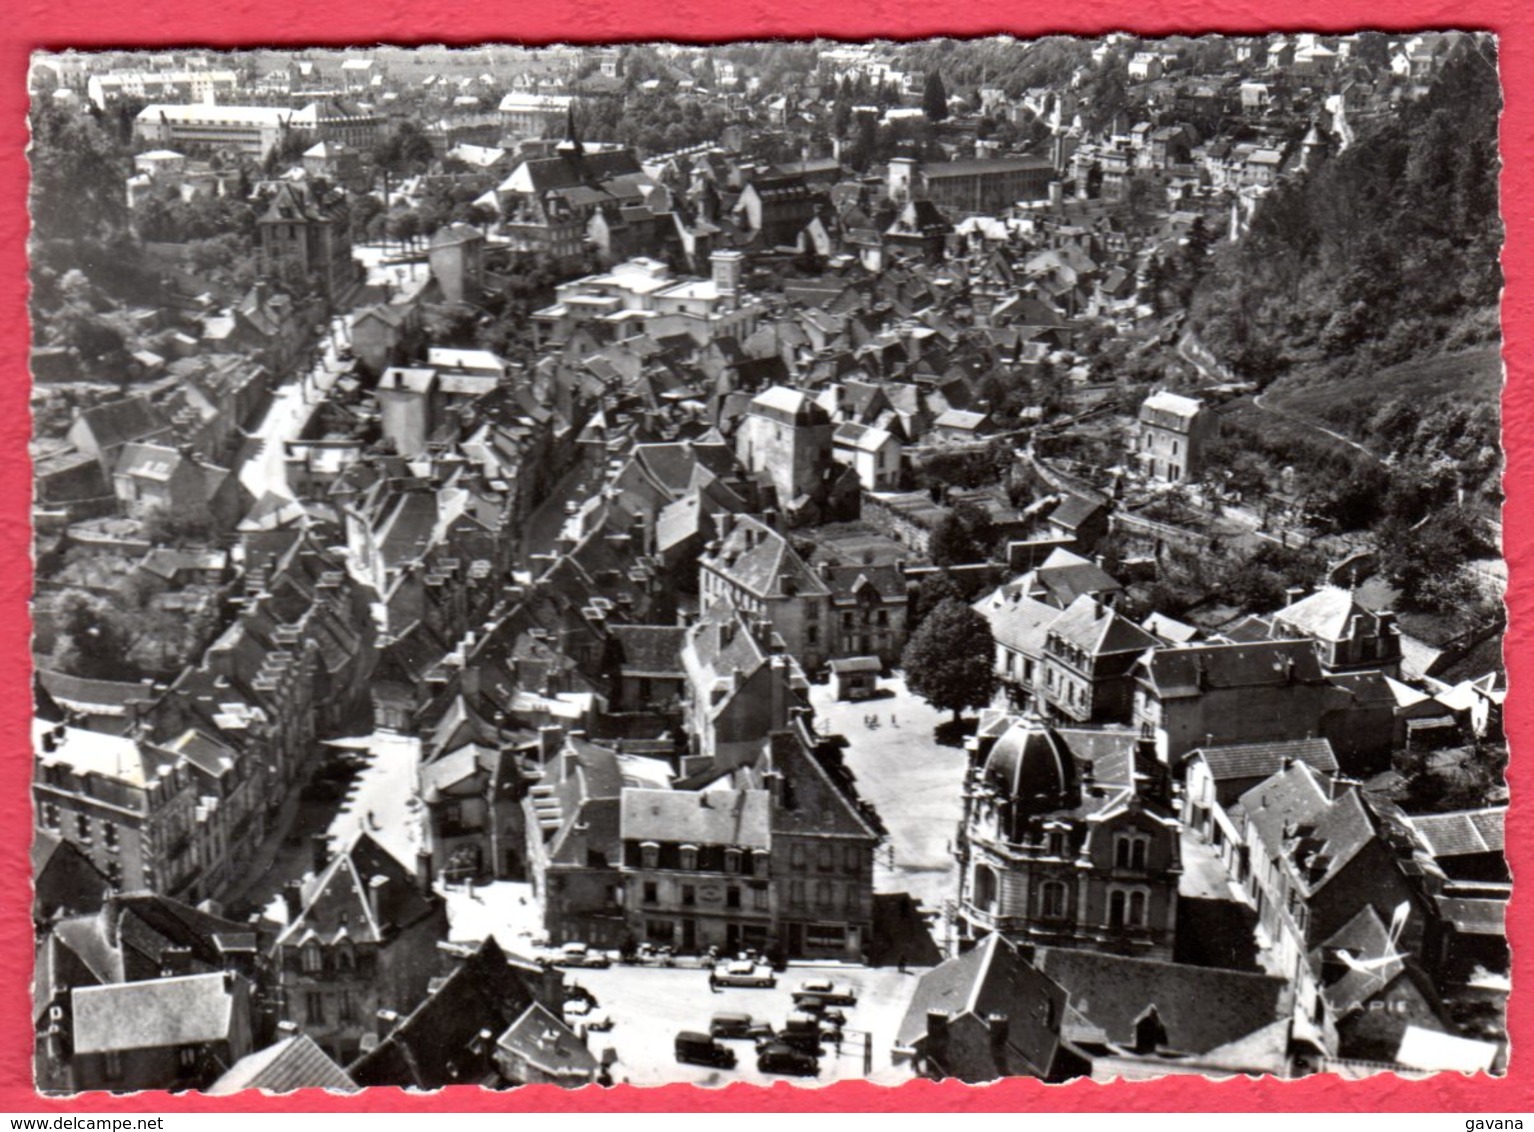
[776, 1057]
[803, 1040]
[742, 973]
[579, 955]
[814, 1004]
[597, 1023]
[701, 1049]
[828, 992]
[808, 1025]
[732, 1024]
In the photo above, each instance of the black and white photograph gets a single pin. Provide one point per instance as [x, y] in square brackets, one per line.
[767, 561]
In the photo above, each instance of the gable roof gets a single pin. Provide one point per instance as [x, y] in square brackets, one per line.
[1326, 614]
[1100, 630]
[992, 979]
[546, 1043]
[436, 1044]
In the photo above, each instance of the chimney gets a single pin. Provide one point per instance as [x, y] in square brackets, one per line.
[1097, 609]
[937, 1035]
[386, 1020]
[376, 885]
[319, 852]
[293, 899]
[423, 871]
[550, 739]
[996, 1028]
[779, 716]
[724, 523]
[1293, 594]
[1056, 195]
[773, 780]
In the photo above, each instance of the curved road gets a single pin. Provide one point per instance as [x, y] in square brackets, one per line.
[1293, 419]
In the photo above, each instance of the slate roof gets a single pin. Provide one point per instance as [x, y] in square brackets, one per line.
[293, 1063]
[1201, 1008]
[762, 568]
[1018, 622]
[119, 422]
[337, 902]
[1189, 670]
[710, 817]
[187, 1010]
[547, 1044]
[1462, 832]
[434, 1045]
[654, 650]
[1325, 614]
[1099, 630]
[990, 979]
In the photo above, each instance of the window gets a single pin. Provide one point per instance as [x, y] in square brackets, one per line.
[689, 856]
[759, 860]
[314, 1007]
[985, 888]
[1137, 909]
[1116, 909]
[114, 1065]
[798, 855]
[650, 894]
[824, 862]
[796, 894]
[649, 854]
[1129, 851]
[823, 894]
[50, 815]
[812, 635]
[689, 895]
[109, 834]
[1054, 844]
[83, 828]
[115, 873]
[852, 860]
[1052, 900]
[760, 899]
[313, 959]
[732, 897]
[347, 1007]
[732, 861]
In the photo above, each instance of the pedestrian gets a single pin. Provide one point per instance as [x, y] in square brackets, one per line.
[902, 963]
[892, 720]
[713, 983]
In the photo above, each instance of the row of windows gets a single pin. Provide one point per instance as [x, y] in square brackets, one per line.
[735, 861]
[825, 858]
[824, 896]
[315, 1011]
[53, 820]
[688, 896]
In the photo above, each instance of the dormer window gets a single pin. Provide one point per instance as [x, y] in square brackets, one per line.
[689, 857]
[732, 860]
[312, 958]
[649, 855]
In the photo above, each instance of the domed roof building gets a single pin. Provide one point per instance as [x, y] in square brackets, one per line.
[1069, 839]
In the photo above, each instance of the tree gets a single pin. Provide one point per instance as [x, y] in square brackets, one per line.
[949, 660]
[951, 543]
[934, 98]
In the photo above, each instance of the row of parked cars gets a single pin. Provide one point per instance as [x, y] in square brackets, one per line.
[795, 1049]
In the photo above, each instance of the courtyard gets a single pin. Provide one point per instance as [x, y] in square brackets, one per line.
[916, 785]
